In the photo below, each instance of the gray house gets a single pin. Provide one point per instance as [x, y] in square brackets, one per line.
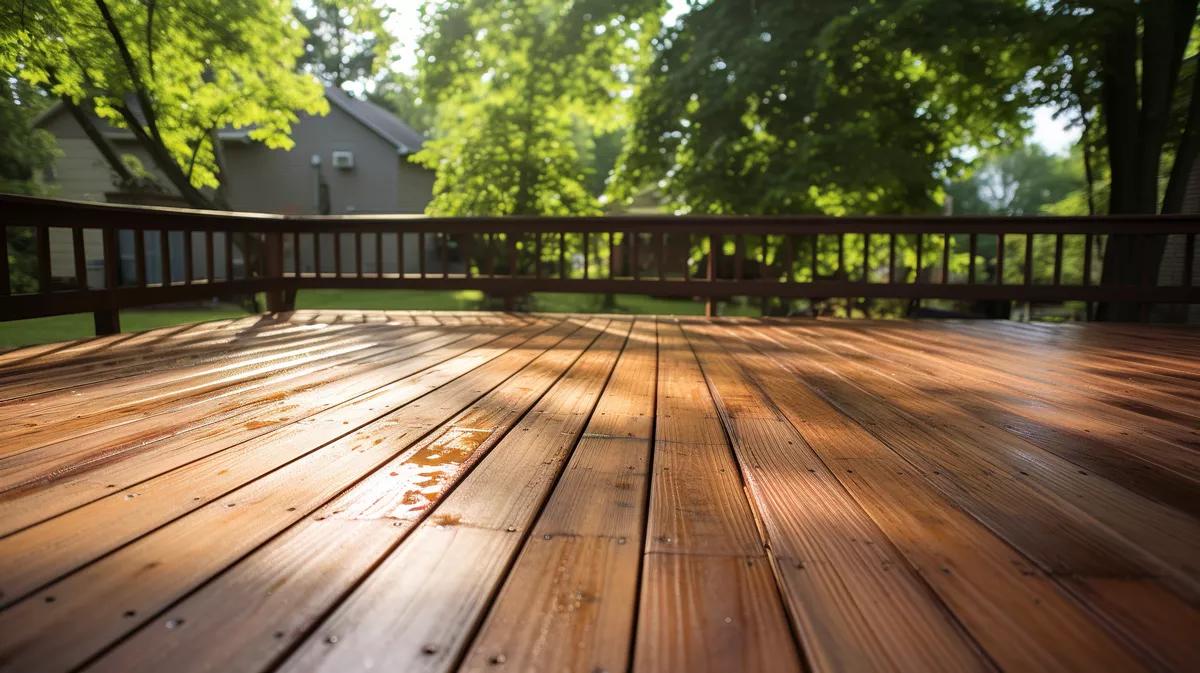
[352, 160]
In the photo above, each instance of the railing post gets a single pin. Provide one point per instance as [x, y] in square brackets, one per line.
[279, 300]
[109, 321]
[710, 306]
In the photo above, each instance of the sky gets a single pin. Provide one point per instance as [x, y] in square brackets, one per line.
[405, 23]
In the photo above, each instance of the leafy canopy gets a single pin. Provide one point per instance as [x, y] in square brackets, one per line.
[521, 87]
[192, 66]
[823, 106]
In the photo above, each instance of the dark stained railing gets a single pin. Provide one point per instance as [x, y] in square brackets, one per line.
[100, 258]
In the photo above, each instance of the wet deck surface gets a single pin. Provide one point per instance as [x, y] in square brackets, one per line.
[433, 492]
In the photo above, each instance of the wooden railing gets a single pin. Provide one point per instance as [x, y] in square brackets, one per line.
[74, 257]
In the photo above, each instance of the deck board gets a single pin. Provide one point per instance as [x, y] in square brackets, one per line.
[425, 491]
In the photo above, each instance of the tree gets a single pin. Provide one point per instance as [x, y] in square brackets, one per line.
[520, 87]
[24, 150]
[171, 71]
[347, 39]
[821, 106]
[1023, 181]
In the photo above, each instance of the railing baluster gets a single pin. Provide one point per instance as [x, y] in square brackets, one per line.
[946, 258]
[841, 270]
[210, 273]
[164, 245]
[511, 240]
[866, 272]
[445, 258]
[139, 257]
[1058, 255]
[789, 263]
[816, 244]
[112, 258]
[971, 247]
[1147, 250]
[562, 254]
[891, 258]
[537, 255]
[920, 251]
[1028, 259]
[999, 259]
[661, 254]
[1189, 258]
[687, 256]
[710, 306]
[337, 254]
[491, 255]
[379, 254]
[400, 254]
[612, 258]
[635, 240]
[468, 243]
[81, 281]
[421, 253]
[296, 256]
[5, 274]
[188, 264]
[358, 256]
[1088, 241]
[739, 254]
[316, 254]
[585, 255]
[42, 232]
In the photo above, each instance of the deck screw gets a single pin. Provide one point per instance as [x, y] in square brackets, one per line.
[331, 639]
[49, 599]
[430, 649]
[499, 659]
[174, 623]
[130, 613]
[278, 634]
[546, 536]
[620, 540]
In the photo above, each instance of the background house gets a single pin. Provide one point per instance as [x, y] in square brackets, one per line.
[359, 152]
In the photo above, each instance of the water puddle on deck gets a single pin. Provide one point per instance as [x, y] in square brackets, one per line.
[405, 488]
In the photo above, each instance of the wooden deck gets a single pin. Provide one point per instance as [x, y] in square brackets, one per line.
[484, 492]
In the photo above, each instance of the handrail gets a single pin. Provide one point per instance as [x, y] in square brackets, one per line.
[199, 254]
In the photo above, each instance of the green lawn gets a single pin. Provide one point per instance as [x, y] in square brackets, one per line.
[69, 327]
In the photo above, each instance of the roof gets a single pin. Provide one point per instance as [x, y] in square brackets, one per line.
[379, 120]
[387, 125]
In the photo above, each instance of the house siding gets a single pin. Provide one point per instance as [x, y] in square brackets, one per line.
[259, 180]
[1170, 272]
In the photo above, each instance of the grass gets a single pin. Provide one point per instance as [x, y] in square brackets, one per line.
[79, 326]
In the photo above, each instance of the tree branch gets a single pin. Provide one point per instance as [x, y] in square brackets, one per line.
[1186, 154]
[139, 86]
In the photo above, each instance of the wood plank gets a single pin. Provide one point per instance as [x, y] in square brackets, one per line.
[853, 602]
[1149, 466]
[417, 609]
[569, 602]
[1001, 482]
[80, 535]
[149, 574]
[1012, 609]
[286, 587]
[708, 600]
[62, 481]
[1010, 374]
[42, 428]
[160, 381]
[87, 371]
